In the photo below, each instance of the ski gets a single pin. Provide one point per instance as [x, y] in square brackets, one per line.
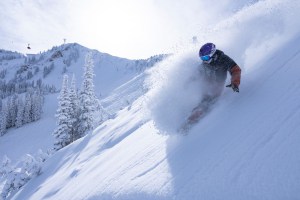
[197, 113]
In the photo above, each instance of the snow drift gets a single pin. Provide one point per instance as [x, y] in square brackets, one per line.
[175, 89]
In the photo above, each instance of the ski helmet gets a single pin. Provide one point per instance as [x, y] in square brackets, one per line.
[207, 51]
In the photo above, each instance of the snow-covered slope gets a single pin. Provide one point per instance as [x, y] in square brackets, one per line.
[247, 147]
[111, 72]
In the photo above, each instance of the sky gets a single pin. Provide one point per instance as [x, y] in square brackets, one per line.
[125, 28]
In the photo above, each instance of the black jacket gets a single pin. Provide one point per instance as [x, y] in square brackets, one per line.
[217, 69]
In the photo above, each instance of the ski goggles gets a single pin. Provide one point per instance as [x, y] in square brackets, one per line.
[205, 58]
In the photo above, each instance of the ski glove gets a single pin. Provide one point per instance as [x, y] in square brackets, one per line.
[234, 87]
[235, 73]
[235, 78]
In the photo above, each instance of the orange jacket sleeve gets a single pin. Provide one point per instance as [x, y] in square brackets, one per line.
[235, 75]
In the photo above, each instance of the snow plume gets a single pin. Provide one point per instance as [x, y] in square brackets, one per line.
[250, 37]
[174, 91]
[255, 32]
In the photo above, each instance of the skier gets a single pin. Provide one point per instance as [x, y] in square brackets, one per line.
[213, 71]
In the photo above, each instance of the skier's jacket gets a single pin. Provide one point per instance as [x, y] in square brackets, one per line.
[217, 69]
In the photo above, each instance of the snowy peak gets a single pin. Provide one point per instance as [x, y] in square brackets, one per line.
[49, 66]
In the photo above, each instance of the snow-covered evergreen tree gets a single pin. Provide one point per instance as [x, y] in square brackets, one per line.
[12, 183]
[6, 171]
[88, 100]
[27, 108]
[31, 166]
[12, 111]
[20, 113]
[18, 177]
[6, 167]
[63, 115]
[42, 156]
[3, 120]
[9, 118]
[37, 100]
[15, 179]
[74, 101]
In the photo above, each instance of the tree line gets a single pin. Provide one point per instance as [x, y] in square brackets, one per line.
[20, 109]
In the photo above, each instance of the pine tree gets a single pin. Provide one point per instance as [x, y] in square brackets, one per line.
[37, 100]
[6, 167]
[27, 108]
[20, 113]
[9, 113]
[10, 184]
[18, 177]
[31, 166]
[3, 120]
[74, 101]
[88, 101]
[63, 115]
[13, 110]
